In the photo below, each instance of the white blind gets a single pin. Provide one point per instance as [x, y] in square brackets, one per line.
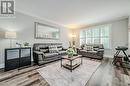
[96, 35]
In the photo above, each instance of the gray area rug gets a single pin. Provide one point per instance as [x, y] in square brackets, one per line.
[56, 75]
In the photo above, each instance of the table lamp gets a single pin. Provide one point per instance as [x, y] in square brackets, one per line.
[10, 35]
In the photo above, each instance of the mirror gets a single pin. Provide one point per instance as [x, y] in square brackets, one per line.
[43, 31]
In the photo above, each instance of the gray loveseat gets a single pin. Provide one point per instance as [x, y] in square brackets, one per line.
[95, 51]
[47, 52]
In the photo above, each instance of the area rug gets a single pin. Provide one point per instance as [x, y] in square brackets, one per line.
[56, 75]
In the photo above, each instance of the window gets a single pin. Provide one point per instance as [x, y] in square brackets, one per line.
[97, 34]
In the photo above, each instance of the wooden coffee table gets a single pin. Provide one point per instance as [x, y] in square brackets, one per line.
[69, 65]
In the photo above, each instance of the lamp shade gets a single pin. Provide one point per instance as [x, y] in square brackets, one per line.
[73, 35]
[10, 35]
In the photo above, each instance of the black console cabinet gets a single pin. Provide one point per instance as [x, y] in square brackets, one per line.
[17, 57]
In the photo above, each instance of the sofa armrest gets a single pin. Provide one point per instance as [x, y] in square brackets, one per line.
[38, 52]
[78, 50]
[38, 56]
[64, 49]
[100, 50]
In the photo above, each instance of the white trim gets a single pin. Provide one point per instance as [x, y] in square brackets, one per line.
[108, 56]
[106, 22]
[40, 18]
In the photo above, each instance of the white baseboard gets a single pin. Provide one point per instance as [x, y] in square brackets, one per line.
[108, 56]
[1, 65]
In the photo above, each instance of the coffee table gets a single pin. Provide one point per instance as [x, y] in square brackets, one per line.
[70, 65]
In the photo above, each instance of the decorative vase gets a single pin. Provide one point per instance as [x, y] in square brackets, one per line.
[26, 44]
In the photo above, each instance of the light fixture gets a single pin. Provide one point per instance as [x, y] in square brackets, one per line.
[10, 35]
[73, 36]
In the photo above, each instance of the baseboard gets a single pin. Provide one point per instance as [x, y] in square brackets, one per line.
[1, 65]
[108, 56]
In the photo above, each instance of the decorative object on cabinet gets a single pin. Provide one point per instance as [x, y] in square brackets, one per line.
[19, 44]
[26, 44]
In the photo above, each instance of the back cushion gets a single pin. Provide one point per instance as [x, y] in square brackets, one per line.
[44, 50]
[88, 47]
[59, 48]
[101, 46]
[53, 49]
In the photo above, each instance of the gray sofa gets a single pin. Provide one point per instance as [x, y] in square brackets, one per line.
[47, 52]
[94, 51]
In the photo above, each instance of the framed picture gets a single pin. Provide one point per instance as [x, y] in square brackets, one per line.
[44, 31]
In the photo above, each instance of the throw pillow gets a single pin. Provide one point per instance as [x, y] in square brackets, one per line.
[53, 49]
[44, 50]
[59, 48]
[89, 48]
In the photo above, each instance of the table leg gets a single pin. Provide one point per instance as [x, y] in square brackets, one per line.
[115, 56]
[71, 64]
[81, 60]
[61, 62]
[126, 57]
[118, 51]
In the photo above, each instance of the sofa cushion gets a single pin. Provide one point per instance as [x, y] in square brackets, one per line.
[48, 55]
[94, 52]
[95, 49]
[62, 52]
[98, 45]
[40, 57]
[83, 50]
[88, 47]
[44, 50]
[59, 49]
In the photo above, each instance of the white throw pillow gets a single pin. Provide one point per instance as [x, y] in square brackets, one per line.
[88, 48]
[53, 49]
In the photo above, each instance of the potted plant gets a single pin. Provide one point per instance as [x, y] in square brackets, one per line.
[26, 44]
[70, 51]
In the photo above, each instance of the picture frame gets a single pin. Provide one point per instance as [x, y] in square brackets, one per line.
[45, 31]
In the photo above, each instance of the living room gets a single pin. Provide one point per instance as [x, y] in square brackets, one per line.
[93, 31]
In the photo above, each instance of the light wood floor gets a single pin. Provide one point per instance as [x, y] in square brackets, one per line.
[23, 77]
[109, 75]
[105, 75]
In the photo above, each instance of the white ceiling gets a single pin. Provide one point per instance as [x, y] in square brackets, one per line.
[75, 12]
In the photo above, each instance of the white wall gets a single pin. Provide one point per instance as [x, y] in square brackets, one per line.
[129, 22]
[24, 26]
[119, 35]
[129, 34]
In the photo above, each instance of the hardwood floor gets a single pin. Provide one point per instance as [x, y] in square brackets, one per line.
[105, 75]
[109, 75]
[24, 77]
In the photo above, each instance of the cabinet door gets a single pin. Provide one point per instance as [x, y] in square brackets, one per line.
[25, 57]
[11, 59]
